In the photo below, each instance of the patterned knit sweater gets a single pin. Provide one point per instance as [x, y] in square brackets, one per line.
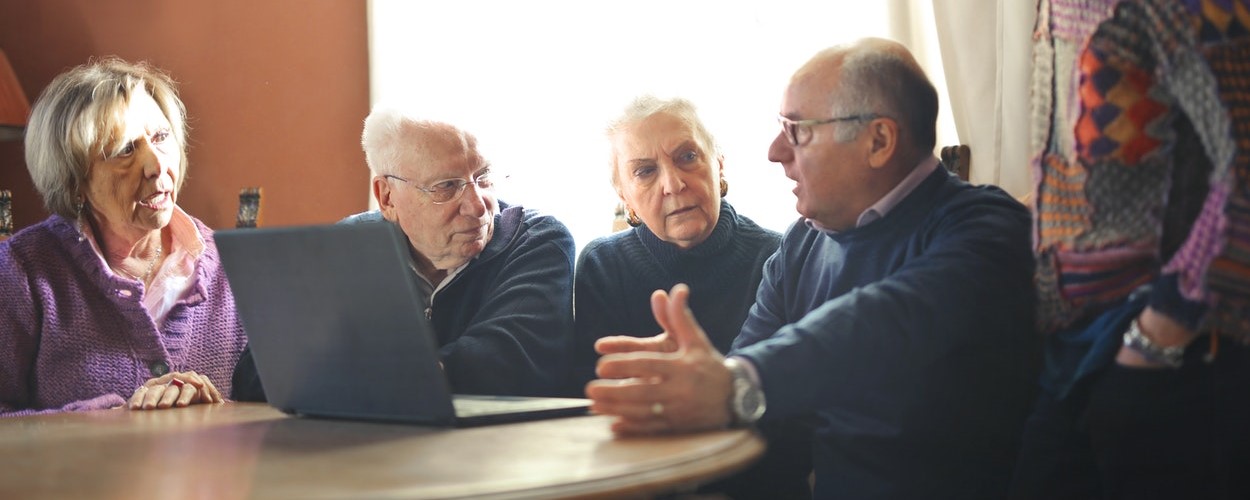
[75, 336]
[1142, 159]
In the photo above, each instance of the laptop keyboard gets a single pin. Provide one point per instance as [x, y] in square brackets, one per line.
[491, 405]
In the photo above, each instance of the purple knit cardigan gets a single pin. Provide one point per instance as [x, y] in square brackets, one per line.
[75, 336]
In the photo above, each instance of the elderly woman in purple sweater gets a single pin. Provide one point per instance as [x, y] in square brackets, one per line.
[118, 298]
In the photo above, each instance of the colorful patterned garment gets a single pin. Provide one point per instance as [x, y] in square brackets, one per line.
[1143, 175]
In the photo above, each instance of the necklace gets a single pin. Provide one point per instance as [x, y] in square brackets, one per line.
[160, 248]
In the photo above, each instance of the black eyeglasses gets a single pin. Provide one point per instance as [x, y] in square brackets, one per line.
[800, 131]
[449, 190]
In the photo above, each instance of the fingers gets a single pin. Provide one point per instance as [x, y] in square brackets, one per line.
[186, 395]
[148, 394]
[631, 392]
[643, 365]
[664, 342]
[682, 327]
[656, 406]
[170, 395]
[204, 385]
[217, 397]
[622, 343]
[151, 397]
[136, 400]
[174, 389]
[203, 388]
[629, 399]
[659, 309]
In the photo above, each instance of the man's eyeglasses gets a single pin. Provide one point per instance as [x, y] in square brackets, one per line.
[449, 190]
[800, 131]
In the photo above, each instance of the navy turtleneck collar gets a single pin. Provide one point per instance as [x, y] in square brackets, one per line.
[721, 236]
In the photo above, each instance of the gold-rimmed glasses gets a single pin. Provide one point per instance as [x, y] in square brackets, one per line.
[449, 190]
[800, 131]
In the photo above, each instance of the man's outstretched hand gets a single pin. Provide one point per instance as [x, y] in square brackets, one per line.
[673, 382]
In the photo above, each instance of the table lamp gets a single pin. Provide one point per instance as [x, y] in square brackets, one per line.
[14, 108]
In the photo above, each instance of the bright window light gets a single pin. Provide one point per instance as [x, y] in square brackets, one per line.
[537, 81]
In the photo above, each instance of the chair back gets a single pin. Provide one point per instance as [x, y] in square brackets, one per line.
[6, 214]
[958, 159]
[249, 208]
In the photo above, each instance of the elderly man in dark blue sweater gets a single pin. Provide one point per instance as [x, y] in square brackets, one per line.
[897, 313]
[496, 280]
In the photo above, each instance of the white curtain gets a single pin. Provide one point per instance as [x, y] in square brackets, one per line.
[537, 80]
[910, 22]
[986, 51]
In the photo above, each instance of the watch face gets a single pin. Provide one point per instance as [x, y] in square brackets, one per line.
[748, 401]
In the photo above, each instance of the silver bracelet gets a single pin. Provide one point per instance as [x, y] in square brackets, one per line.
[1172, 357]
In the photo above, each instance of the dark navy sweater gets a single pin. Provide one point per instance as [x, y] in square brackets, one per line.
[909, 340]
[616, 275]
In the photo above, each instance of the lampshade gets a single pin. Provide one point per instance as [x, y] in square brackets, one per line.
[14, 108]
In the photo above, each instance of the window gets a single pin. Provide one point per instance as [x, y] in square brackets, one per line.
[537, 81]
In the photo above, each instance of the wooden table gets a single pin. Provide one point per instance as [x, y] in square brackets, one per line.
[238, 450]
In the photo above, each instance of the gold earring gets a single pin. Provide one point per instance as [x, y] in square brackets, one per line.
[632, 218]
[724, 187]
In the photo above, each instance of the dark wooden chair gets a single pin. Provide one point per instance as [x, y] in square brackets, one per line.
[6, 214]
[619, 222]
[249, 208]
[958, 159]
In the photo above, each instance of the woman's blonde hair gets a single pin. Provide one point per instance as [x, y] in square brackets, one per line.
[79, 116]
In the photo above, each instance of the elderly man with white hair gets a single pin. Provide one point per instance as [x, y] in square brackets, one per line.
[496, 279]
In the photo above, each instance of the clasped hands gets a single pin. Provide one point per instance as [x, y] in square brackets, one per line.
[174, 389]
[673, 382]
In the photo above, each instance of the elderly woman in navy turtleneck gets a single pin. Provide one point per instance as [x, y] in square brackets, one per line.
[669, 173]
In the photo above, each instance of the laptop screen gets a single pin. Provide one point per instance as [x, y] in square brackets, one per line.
[337, 327]
[335, 322]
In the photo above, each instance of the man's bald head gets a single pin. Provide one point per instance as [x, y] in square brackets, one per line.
[875, 75]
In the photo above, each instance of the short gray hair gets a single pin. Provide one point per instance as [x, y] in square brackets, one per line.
[890, 84]
[77, 118]
[646, 106]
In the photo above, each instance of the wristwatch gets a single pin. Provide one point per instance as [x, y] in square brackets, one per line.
[1171, 356]
[746, 402]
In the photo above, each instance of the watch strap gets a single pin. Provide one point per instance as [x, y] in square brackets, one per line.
[745, 386]
[1171, 356]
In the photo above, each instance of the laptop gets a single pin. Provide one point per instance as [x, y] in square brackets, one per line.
[337, 329]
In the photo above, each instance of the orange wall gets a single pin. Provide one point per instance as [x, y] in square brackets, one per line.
[276, 92]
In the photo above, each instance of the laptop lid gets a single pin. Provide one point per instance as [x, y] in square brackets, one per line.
[337, 329]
